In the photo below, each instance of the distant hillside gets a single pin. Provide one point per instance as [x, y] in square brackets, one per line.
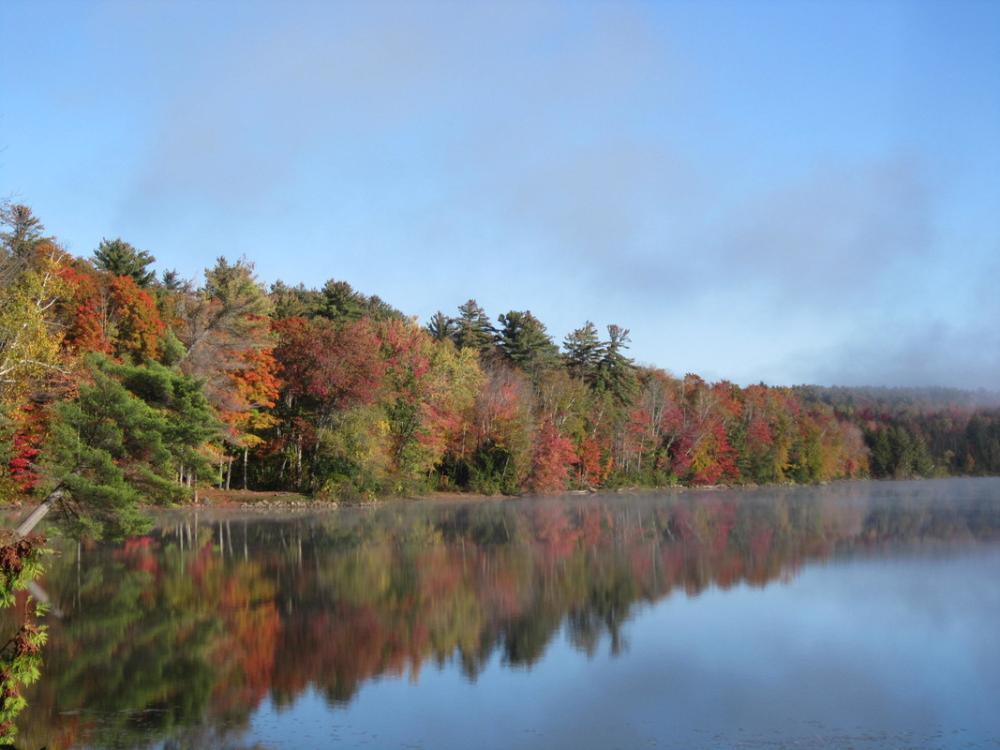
[930, 398]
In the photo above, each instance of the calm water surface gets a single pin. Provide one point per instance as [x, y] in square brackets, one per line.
[860, 615]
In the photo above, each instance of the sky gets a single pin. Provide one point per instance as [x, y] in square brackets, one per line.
[784, 192]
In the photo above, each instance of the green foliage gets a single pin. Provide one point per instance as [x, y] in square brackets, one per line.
[441, 327]
[898, 453]
[583, 353]
[119, 258]
[20, 656]
[171, 281]
[473, 329]
[494, 470]
[352, 454]
[236, 289]
[524, 342]
[616, 372]
[172, 350]
[342, 303]
[129, 436]
[23, 233]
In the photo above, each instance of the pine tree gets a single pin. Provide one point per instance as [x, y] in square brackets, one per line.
[24, 233]
[119, 258]
[441, 327]
[523, 340]
[134, 434]
[474, 328]
[615, 371]
[583, 353]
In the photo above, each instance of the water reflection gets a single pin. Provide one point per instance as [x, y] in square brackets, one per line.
[192, 634]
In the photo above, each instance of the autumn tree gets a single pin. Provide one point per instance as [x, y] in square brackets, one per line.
[30, 337]
[503, 424]
[226, 330]
[552, 460]
[110, 314]
[327, 370]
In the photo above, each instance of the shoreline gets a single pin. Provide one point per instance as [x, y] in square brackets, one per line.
[270, 501]
[266, 500]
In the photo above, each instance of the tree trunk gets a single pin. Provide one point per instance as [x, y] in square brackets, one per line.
[39, 513]
[298, 462]
[246, 456]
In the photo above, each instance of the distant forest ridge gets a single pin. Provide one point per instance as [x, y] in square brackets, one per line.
[920, 397]
[119, 386]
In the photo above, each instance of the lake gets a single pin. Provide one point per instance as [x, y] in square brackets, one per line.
[858, 615]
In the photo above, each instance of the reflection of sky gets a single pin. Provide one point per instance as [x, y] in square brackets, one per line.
[871, 652]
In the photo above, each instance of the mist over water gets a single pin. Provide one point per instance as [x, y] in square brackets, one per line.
[858, 615]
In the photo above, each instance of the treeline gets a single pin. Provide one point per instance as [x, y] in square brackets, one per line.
[116, 384]
[920, 432]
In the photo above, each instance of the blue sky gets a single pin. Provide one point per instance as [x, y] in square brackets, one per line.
[779, 191]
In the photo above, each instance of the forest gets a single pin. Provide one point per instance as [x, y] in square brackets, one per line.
[121, 387]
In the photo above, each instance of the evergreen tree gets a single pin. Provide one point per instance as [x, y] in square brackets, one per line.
[23, 234]
[119, 258]
[615, 371]
[295, 301]
[882, 462]
[135, 433]
[236, 288]
[523, 340]
[474, 328]
[171, 281]
[583, 353]
[342, 303]
[441, 327]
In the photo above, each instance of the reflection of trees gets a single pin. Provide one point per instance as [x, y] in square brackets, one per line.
[178, 634]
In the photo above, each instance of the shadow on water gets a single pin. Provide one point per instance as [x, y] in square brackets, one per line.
[180, 638]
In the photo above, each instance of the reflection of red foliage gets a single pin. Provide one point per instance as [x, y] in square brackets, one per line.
[555, 533]
[253, 628]
[501, 592]
[440, 574]
[139, 553]
[592, 524]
